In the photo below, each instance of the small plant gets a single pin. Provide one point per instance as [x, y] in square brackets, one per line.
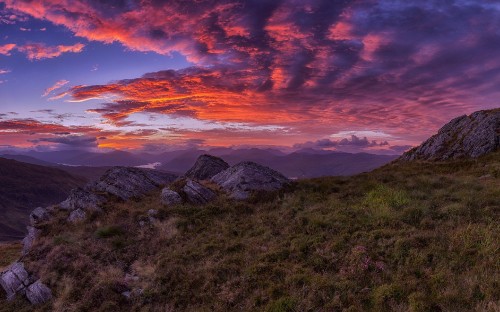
[109, 231]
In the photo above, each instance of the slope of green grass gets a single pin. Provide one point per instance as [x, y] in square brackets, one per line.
[406, 237]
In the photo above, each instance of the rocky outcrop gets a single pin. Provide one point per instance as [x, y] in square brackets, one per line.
[77, 216]
[121, 182]
[206, 166]
[38, 293]
[198, 194]
[125, 182]
[84, 199]
[17, 281]
[14, 280]
[169, 197]
[244, 178]
[464, 136]
[29, 239]
[39, 215]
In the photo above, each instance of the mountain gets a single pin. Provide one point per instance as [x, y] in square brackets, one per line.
[25, 186]
[307, 165]
[409, 236]
[27, 159]
[85, 158]
[464, 136]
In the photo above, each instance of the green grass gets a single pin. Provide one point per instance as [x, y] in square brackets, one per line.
[406, 237]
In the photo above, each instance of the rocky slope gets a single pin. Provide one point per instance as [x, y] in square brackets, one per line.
[465, 136]
[123, 184]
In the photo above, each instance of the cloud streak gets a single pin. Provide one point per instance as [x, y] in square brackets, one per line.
[59, 84]
[39, 51]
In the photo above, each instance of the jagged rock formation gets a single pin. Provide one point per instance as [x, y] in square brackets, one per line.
[197, 193]
[121, 182]
[464, 136]
[84, 199]
[241, 179]
[16, 280]
[206, 166]
[125, 182]
[169, 197]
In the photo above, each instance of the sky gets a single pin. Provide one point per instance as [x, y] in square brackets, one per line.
[152, 75]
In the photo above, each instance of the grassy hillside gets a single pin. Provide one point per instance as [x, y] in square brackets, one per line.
[406, 237]
[24, 187]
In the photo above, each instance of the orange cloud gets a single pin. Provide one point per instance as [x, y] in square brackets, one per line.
[6, 48]
[59, 84]
[38, 51]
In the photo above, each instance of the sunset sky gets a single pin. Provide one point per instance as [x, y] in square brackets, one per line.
[367, 75]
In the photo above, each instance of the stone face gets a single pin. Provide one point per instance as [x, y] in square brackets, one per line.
[240, 180]
[197, 193]
[464, 136]
[77, 216]
[126, 182]
[14, 280]
[29, 239]
[84, 199]
[38, 293]
[169, 197]
[206, 166]
[39, 215]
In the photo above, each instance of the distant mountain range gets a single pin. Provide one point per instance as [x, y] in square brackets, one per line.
[306, 163]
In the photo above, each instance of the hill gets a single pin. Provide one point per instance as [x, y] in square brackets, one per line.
[417, 236]
[25, 186]
[464, 136]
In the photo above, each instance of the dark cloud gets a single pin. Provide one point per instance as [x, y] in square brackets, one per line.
[69, 141]
[354, 141]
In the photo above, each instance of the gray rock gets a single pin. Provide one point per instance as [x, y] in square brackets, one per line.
[169, 197]
[14, 280]
[84, 199]
[127, 182]
[29, 239]
[197, 193]
[206, 166]
[39, 215]
[240, 180]
[38, 293]
[464, 136]
[77, 216]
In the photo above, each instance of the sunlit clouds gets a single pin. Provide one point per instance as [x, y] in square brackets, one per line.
[340, 75]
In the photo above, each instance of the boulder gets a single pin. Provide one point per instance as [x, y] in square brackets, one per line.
[29, 239]
[39, 215]
[127, 182]
[464, 136]
[241, 179]
[14, 280]
[38, 293]
[206, 166]
[84, 199]
[197, 193]
[77, 216]
[169, 197]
